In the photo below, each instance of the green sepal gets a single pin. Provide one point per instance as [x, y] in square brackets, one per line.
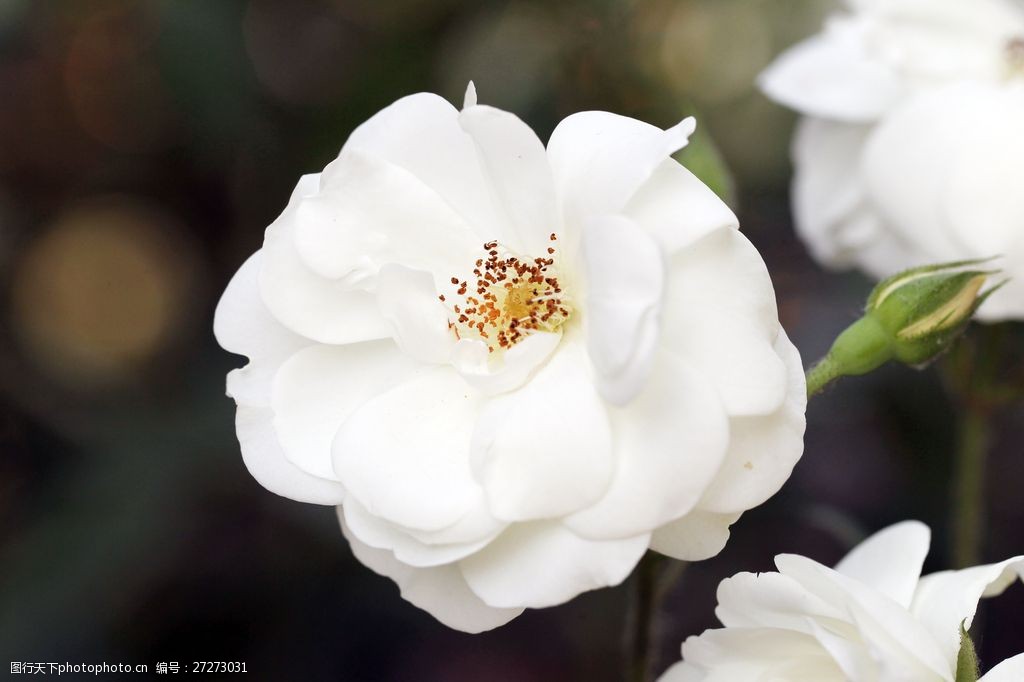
[886, 286]
[967, 668]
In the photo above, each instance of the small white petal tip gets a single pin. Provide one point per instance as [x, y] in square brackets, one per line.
[470, 99]
[684, 129]
[679, 134]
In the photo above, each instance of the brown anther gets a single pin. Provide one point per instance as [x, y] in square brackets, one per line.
[514, 297]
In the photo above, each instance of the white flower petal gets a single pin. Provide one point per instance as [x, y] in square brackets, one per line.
[492, 376]
[669, 444]
[899, 645]
[876, 249]
[404, 455]
[625, 273]
[515, 162]
[827, 188]
[762, 450]
[922, 140]
[890, 561]
[1010, 670]
[317, 389]
[243, 325]
[943, 600]
[545, 450]
[833, 76]
[625, 270]
[380, 534]
[773, 600]
[720, 315]
[983, 201]
[677, 209]
[469, 100]
[734, 654]
[543, 564]
[726, 672]
[697, 536]
[421, 133]
[895, 638]
[600, 160]
[368, 213]
[684, 672]
[850, 654]
[408, 301]
[935, 40]
[474, 526]
[440, 591]
[316, 307]
[266, 461]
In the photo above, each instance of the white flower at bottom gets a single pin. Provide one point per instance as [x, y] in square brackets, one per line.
[871, 619]
[515, 369]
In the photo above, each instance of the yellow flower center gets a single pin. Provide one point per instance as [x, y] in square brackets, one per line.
[509, 298]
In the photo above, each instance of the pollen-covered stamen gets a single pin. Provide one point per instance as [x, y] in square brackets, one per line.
[508, 298]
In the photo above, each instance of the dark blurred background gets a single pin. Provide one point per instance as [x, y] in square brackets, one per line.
[144, 147]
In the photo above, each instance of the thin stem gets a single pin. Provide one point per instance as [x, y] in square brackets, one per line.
[969, 483]
[641, 620]
[821, 375]
[668, 578]
[654, 579]
[973, 372]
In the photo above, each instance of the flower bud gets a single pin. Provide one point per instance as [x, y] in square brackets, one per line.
[911, 317]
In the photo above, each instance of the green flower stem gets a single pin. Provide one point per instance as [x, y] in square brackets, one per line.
[641, 616]
[969, 484]
[980, 379]
[654, 577]
[821, 375]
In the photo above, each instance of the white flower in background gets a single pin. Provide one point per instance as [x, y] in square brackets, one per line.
[911, 147]
[871, 619]
[514, 368]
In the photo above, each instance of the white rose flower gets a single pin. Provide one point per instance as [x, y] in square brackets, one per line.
[911, 146]
[514, 369]
[871, 619]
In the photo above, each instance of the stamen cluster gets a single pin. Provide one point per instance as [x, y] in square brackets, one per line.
[509, 299]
